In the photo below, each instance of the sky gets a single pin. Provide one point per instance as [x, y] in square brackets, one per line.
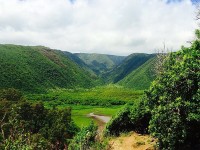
[118, 27]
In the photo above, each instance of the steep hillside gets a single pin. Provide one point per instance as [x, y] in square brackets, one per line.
[141, 78]
[129, 64]
[100, 63]
[38, 68]
[79, 62]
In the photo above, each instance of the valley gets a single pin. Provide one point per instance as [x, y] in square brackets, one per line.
[89, 85]
[83, 82]
[100, 75]
[84, 101]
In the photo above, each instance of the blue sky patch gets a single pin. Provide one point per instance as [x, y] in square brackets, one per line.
[178, 1]
[72, 1]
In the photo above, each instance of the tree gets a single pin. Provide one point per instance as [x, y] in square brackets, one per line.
[32, 126]
[10, 94]
[174, 99]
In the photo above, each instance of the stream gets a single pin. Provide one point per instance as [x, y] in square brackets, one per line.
[103, 119]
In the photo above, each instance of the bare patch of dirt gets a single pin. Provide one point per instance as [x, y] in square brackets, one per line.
[132, 141]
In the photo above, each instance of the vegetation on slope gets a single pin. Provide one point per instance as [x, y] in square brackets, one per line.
[173, 100]
[36, 69]
[171, 108]
[130, 63]
[79, 62]
[85, 138]
[142, 77]
[129, 118]
[100, 63]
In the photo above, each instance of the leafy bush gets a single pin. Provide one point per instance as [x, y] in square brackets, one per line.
[131, 117]
[84, 139]
[33, 126]
[174, 99]
[26, 141]
[10, 94]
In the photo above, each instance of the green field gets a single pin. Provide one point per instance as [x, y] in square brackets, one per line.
[99, 96]
[104, 100]
[79, 113]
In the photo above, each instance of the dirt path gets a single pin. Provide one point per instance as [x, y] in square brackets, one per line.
[132, 141]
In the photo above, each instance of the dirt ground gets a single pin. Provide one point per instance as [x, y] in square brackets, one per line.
[132, 141]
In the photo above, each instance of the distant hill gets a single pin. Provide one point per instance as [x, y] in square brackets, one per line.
[38, 68]
[79, 62]
[100, 63]
[129, 64]
[141, 78]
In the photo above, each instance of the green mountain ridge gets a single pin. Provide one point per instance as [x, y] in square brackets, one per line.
[141, 78]
[79, 62]
[38, 68]
[129, 64]
[35, 68]
[100, 63]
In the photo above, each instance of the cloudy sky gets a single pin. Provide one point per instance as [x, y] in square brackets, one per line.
[118, 27]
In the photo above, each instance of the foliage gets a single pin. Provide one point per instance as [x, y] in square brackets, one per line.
[103, 144]
[142, 77]
[104, 100]
[131, 117]
[10, 94]
[84, 139]
[26, 141]
[29, 126]
[37, 68]
[174, 100]
[100, 96]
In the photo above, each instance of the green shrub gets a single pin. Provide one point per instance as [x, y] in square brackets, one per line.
[26, 141]
[10, 94]
[84, 139]
[174, 99]
[131, 117]
[30, 126]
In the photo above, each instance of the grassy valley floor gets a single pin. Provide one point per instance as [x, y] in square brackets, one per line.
[104, 100]
[80, 113]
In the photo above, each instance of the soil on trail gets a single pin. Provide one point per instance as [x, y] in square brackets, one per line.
[133, 141]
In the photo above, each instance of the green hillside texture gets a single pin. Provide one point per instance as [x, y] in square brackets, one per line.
[35, 68]
[130, 63]
[142, 77]
[79, 62]
[100, 63]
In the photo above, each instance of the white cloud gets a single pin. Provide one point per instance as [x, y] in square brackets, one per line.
[102, 26]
